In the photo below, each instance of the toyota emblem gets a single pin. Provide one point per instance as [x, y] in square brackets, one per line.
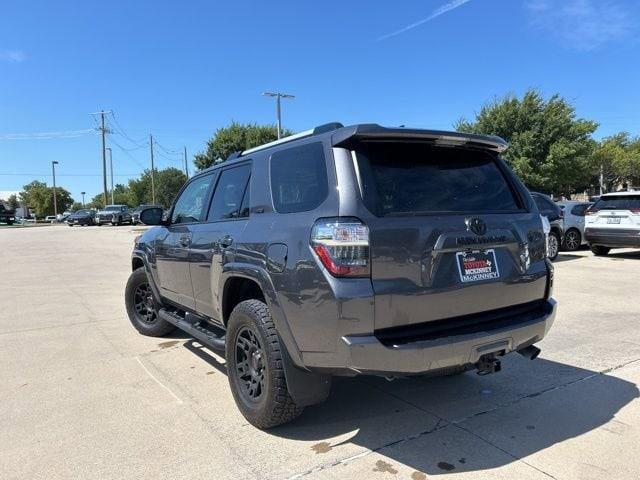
[476, 225]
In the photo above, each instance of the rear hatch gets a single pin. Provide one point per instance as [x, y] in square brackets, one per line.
[450, 234]
[616, 212]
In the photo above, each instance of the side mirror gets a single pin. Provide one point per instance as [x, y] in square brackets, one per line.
[152, 216]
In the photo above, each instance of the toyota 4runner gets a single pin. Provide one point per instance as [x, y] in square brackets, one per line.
[346, 251]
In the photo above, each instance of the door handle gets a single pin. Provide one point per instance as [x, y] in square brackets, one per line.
[185, 240]
[225, 241]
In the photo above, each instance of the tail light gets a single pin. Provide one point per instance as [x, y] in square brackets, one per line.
[342, 245]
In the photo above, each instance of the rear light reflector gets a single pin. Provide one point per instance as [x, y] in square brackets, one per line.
[342, 246]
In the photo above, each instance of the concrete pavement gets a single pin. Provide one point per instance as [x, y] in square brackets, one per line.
[83, 395]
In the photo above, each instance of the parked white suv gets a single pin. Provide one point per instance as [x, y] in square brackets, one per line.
[614, 222]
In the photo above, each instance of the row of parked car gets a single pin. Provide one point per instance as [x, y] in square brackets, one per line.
[610, 221]
[111, 214]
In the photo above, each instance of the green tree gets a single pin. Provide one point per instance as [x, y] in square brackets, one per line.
[76, 206]
[234, 138]
[618, 157]
[39, 197]
[549, 148]
[12, 202]
[96, 202]
[168, 183]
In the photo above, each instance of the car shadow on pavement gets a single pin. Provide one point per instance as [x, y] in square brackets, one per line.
[565, 257]
[467, 422]
[632, 255]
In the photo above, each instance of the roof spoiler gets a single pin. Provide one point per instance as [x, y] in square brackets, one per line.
[374, 132]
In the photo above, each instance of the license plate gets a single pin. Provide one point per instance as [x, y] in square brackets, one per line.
[75, 221]
[613, 220]
[478, 265]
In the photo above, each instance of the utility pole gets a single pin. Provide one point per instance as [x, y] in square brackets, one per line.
[278, 96]
[601, 179]
[153, 184]
[103, 131]
[186, 165]
[111, 169]
[82, 193]
[55, 200]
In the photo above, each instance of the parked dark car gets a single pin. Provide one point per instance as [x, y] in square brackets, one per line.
[555, 215]
[347, 251]
[7, 216]
[135, 213]
[81, 217]
[114, 214]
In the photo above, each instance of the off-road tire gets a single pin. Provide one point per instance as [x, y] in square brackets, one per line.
[154, 327]
[599, 250]
[274, 406]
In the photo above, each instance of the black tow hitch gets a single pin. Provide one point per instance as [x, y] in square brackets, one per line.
[488, 364]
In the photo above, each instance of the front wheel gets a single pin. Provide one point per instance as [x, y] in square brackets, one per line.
[599, 250]
[554, 245]
[141, 306]
[255, 367]
[572, 240]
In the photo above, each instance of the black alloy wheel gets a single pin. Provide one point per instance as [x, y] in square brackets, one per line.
[250, 366]
[143, 304]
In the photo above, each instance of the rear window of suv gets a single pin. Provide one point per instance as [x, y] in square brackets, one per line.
[299, 178]
[617, 202]
[404, 178]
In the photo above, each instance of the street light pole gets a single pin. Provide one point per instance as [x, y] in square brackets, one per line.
[111, 169]
[278, 96]
[55, 201]
[82, 193]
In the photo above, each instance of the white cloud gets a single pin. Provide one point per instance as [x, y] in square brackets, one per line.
[441, 10]
[582, 24]
[12, 56]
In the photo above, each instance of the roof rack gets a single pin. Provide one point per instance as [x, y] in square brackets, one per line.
[327, 127]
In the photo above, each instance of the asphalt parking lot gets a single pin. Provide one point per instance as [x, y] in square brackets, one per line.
[83, 395]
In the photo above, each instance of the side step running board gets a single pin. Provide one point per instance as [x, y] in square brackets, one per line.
[195, 327]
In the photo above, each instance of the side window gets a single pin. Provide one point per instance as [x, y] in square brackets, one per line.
[579, 210]
[542, 205]
[190, 205]
[246, 200]
[299, 178]
[228, 197]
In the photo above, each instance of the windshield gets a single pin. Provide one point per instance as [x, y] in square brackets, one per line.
[113, 208]
[400, 178]
[617, 202]
[83, 212]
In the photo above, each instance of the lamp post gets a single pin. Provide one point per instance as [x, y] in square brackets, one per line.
[55, 200]
[278, 96]
[111, 170]
[82, 193]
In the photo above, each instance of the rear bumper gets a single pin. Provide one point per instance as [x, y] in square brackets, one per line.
[368, 355]
[613, 238]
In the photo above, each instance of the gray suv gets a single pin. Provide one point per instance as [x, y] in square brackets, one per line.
[347, 251]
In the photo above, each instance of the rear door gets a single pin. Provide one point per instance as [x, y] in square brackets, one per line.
[214, 241]
[449, 233]
[172, 251]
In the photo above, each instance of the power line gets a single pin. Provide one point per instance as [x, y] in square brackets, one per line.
[47, 135]
[126, 152]
[121, 131]
[63, 175]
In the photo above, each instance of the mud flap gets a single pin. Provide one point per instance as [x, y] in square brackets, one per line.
[306, 388]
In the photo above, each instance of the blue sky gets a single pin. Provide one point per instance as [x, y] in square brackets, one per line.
[180, 70]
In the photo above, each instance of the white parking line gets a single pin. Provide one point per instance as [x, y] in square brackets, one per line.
[158, 381]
